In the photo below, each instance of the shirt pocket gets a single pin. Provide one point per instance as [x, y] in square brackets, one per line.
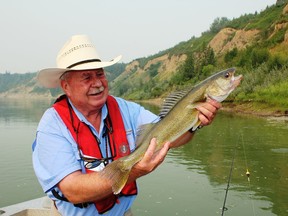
[131, 139]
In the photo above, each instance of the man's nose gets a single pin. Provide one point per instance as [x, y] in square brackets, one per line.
[96, 82]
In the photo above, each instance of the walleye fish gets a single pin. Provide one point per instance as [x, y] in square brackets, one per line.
[174, 123]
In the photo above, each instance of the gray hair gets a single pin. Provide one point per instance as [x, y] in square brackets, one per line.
[65, 76]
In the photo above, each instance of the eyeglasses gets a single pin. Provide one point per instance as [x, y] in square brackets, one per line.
[90, 163]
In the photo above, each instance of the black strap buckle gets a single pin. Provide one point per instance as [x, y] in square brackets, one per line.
[79, 205]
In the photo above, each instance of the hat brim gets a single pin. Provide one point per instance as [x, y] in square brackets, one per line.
[50, 77]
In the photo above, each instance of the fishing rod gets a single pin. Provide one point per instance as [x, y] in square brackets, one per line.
[224, 208]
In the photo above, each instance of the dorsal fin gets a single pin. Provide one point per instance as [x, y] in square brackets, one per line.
[171, 101]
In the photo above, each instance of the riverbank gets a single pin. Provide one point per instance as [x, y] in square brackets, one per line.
[244, 108]
[256, 109]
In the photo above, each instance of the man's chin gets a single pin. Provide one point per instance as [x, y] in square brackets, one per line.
[99, 98]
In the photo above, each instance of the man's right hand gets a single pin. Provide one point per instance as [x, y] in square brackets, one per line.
[151, 160]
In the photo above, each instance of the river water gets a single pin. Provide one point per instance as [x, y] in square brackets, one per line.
[193, 178]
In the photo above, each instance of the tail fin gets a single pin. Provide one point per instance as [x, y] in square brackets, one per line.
[117, 173]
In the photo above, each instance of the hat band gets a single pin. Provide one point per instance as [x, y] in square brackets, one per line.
[84, 62]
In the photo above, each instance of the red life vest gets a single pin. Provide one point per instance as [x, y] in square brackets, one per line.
[88, 143]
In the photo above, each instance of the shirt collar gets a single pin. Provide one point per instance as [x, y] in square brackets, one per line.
[81, 117]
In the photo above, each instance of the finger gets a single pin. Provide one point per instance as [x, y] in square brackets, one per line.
[152, 159]
[204, 120]
[207, 110]
[160, 156]
[214, 103]
[151, 150]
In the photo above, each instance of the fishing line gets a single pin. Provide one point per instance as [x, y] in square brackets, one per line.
[247, 173]
[224, 208]
[244, 152]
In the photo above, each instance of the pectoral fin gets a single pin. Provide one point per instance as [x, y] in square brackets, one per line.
[195, 113]
[195, 119]
[196, 125]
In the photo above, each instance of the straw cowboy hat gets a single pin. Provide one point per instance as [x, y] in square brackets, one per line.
[77, 54]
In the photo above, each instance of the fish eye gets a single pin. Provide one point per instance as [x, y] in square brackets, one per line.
[227, 75]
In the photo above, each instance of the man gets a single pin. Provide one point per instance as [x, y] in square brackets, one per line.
[86, 129]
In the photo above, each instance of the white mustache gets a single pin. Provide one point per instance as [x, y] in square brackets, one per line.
[97, 90]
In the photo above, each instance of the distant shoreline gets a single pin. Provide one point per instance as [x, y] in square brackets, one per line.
[26, 96]
[246, 108]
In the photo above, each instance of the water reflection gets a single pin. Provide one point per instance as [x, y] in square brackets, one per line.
[261, 147]
[18, 123]
[29, 110]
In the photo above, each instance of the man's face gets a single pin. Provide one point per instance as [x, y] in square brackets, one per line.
[87, 89]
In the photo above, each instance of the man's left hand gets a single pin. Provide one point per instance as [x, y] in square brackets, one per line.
[208, 111]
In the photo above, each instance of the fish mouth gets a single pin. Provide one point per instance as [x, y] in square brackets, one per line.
[236, 81]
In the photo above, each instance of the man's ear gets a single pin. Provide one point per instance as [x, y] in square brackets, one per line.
[64, 86]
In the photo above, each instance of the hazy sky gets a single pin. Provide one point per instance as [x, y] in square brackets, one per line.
[33, 31]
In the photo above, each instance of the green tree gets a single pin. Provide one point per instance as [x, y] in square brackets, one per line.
[229, 56]
[209, 57]
[259, 56]
[188, 70]
[218, 24]
[277, 62]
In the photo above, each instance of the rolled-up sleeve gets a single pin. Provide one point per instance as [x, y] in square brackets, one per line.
[55, 153]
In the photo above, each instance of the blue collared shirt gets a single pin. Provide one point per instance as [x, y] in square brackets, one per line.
[55, 152]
